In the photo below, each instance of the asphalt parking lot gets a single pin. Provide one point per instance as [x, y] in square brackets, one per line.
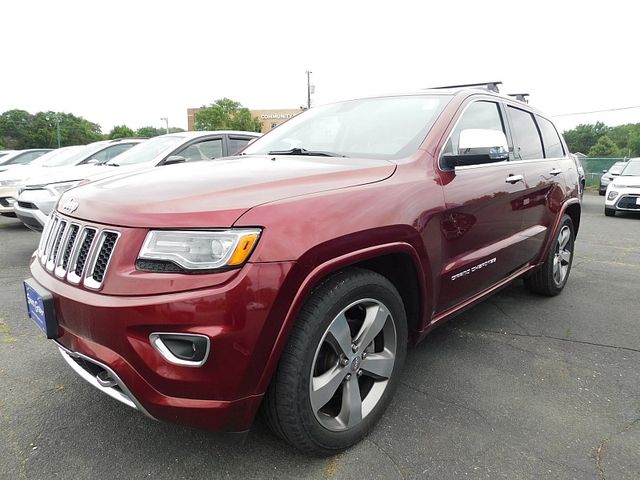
[518, 387]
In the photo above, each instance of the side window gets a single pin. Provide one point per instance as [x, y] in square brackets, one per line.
[528, 145]
[479, 116]
[550, 138]
[27, 157]
[207, 150]
[237, 143]
[108, 153]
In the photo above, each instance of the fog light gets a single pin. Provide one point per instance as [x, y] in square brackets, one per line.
[186, 349]
[612, 195]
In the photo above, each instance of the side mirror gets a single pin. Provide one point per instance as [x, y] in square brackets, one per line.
[93, 161]
[478, 146]
[174, 159]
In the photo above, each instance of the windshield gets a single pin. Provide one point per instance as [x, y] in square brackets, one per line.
[632, 168]
[24, 158]
[69, 156]
[616, 169]
[148, 150]
[383, 128]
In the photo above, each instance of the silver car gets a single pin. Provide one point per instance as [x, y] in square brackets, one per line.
[609, 175]
[39, 197]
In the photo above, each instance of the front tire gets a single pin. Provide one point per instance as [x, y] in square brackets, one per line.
[341, 364]
[551, 278]
[609, 212]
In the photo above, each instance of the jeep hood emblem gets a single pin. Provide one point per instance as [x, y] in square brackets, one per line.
[70, 205]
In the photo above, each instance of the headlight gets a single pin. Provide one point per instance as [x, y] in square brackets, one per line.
[199, 249]
[59, 188]
[612, 194]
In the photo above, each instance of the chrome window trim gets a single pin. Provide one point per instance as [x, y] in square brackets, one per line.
[89, 281]
[159, 345]
[497, 101]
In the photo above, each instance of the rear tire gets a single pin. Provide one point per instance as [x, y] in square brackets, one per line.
[609, 212]
[551, 278]
[341, 365]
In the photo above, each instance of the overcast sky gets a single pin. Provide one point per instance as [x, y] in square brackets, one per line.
[132, 62]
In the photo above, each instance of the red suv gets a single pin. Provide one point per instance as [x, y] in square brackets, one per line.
[292, 276]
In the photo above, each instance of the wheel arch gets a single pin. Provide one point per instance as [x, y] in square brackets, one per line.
[387, 259]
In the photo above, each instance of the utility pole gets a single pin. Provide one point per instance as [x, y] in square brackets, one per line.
[58, 130]
[166, 122]
[309, 89]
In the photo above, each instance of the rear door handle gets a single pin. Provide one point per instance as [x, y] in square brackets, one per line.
[555, 171]
[514, 179]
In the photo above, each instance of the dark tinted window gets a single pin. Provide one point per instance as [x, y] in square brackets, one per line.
[527, 141]
[110, 152]
[206, 150]
[479, 115]
[236, 144]
[550, 138]
[25, 158]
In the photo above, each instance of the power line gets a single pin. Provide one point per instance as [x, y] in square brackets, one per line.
[596, 111]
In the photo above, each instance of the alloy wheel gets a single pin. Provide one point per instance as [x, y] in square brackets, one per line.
[352, 364]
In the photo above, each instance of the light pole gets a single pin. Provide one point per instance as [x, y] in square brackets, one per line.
[166, 122]
[58, 130]
[309, 89]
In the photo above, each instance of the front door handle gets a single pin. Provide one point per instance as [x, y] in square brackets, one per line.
[555, 171]
[514, 179]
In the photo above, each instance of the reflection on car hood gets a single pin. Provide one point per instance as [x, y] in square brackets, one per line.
[215, 193]
[68, 173]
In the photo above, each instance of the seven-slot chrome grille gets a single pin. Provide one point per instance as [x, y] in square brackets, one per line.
[76, 252]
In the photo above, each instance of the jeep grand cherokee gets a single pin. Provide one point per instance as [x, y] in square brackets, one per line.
[292, 277]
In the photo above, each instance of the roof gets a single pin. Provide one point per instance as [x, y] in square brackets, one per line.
[200, 133]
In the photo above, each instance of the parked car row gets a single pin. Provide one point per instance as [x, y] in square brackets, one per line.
[609, 175]
[12, 158]
[32, 191]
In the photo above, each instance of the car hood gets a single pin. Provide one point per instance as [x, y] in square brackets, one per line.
[67, 173]
[214, 193]
[632, 181]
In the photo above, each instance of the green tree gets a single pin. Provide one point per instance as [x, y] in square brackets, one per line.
[226, 114]
[633, 143]
[20, 129]
[149, 132]
[604, 147]
[583, 137]
[15, 126]
[121, 131]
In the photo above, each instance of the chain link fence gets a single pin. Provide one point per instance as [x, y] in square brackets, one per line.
[593, 168]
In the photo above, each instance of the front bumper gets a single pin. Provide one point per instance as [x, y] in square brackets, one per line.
[112, 332]
[33, 208]
[31, 217]
[625, 201]
[8, 196]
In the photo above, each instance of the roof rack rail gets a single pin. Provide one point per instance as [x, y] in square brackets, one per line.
[491, 86]
[522, 97]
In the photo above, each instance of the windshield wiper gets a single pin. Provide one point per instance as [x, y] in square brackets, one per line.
[304, 151]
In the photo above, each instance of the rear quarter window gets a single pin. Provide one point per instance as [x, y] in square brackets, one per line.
[550, 138]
